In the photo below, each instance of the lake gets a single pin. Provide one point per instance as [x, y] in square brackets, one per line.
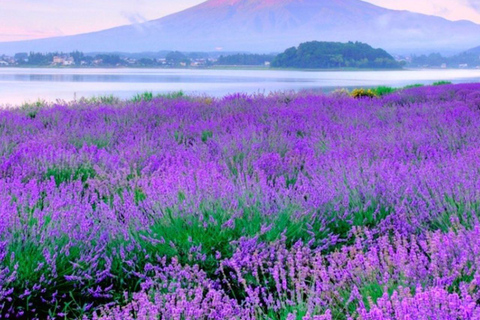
[18, 85]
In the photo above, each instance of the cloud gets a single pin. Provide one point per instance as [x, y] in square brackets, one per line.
[134, 17]
[449, 9]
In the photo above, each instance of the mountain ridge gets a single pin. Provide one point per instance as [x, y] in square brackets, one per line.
[475, 50]
[271, 25]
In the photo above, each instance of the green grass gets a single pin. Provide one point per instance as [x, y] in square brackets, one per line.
[105, 99]
[193, 239]
[206, 135]
[411, 86]
[88, 140]
[67, 174]
[145, 96]
[172, 95]
[149, 96]
[32, 109]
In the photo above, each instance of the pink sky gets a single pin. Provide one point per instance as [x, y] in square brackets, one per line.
[31, 19]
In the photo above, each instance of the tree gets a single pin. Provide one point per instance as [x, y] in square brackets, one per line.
[109, 59]
[77, 57]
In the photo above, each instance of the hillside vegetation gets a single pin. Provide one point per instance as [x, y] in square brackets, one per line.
[328, 55]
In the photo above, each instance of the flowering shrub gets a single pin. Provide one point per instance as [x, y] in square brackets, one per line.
[245, 207]
[363, 93]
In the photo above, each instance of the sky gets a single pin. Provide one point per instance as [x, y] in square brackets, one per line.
[33, 19]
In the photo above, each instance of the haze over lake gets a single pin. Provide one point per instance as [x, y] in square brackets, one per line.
[18, 85]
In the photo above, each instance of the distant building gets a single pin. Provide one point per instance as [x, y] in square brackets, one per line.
[3, 63]
[130, 60]
[58, 60]
[199, 62]
[63, 61]
[463, 65]
[443, 66]
[267, 63]
[69, 61]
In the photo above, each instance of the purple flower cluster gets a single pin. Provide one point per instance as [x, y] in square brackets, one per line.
[289, 206]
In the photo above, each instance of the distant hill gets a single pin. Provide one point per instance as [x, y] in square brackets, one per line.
[467, 59]
[327, 55]
[244, 59]
[474, 50]
[271, 26]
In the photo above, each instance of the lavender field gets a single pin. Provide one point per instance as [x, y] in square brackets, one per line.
[288, 206]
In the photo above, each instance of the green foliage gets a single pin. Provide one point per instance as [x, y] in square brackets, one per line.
[441, 83]
[194, 239]
[206, 135]
[383, 90]
[145, 96]
[327, 55]
[214, 230]
[463, 213]
[66, 174]
[139, 195]
[35, 257]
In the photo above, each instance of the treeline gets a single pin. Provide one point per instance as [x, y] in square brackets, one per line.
[245, 59]
[76, 58]
[41, 59]
[328, 55]
[469, 59]
[311, 55]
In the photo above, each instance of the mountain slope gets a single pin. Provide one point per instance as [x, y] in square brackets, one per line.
[475, 50]
[272, 25]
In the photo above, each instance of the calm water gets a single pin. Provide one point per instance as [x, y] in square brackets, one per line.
[20, 85]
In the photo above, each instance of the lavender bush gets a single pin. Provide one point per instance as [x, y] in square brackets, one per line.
[289, 206]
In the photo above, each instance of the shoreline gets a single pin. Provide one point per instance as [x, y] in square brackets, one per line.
[241, 68]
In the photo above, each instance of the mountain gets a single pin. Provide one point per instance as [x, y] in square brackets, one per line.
[271, 25]
[475, 50]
